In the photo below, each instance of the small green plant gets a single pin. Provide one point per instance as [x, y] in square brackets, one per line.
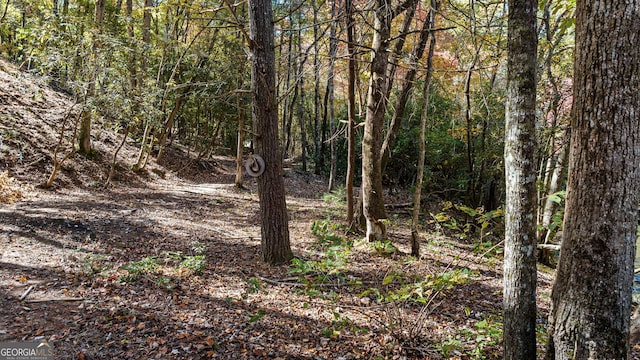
[422, 291]
[465, 221]
[299, 266]
[195, 263]
[164, 282]
[324, 231]
[257, 316]
[488, 332]
[332, 263]
[384, 248]
[171, 257]
[336, 252]
[254, 285]
[198, 248]
[448, 346]
[137, 269]
[336, 196]
[342, 323]
[94, 264]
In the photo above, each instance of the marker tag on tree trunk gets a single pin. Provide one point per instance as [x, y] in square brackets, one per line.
[254, 165]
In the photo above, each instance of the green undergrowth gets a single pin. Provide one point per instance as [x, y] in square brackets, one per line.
[408, 299]
[333, 251]
[167, 268]
[483, 229]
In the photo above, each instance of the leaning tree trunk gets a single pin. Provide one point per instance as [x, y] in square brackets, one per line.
[591, 298]
[404, 96]
[273, 208]
[520, 176]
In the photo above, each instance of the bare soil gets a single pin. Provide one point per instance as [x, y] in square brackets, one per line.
[104, 273]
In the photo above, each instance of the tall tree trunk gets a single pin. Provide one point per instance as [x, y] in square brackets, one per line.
[146, 23]
[145, 147]
[591, 297]
[84, 136]
[239, 150]
[329, 105]
[520, 176]
[301, 121]
[318, 129]
[471, 187]
[417, 192]
[114, 160]
[288, 100]
[276, 248]
[351, 115]
[372, 196]
[133, 78]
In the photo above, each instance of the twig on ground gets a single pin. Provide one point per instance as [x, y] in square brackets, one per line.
[54, 299]
[24, 295]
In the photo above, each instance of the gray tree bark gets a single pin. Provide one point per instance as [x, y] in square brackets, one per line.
[520, 175]
[372, 196]
[330, 94]
[351, 112]
[273, 208]
[591, 298]
[84, 135]
[417, 192]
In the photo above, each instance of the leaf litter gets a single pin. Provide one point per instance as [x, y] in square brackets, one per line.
[165, 264]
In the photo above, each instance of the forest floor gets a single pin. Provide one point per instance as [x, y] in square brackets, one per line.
[165, 262]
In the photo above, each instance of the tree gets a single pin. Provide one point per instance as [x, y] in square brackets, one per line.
[417, 192]
[591, 297]
[351, 111]
[84, 137]
[403, 97]
[273, 208]
[519, 162]
[555, 50]
[372, 196]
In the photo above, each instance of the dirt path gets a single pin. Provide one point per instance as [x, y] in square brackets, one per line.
[108, 278]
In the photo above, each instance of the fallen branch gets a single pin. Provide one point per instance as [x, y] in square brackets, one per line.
[24, 295]
[549, 246]
[278, 283]
[54, 299]
[402, 205]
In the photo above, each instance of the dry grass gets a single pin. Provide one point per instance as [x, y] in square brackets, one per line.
[10, 191]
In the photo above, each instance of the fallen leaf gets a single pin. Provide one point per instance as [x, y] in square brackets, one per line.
[209, 341]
